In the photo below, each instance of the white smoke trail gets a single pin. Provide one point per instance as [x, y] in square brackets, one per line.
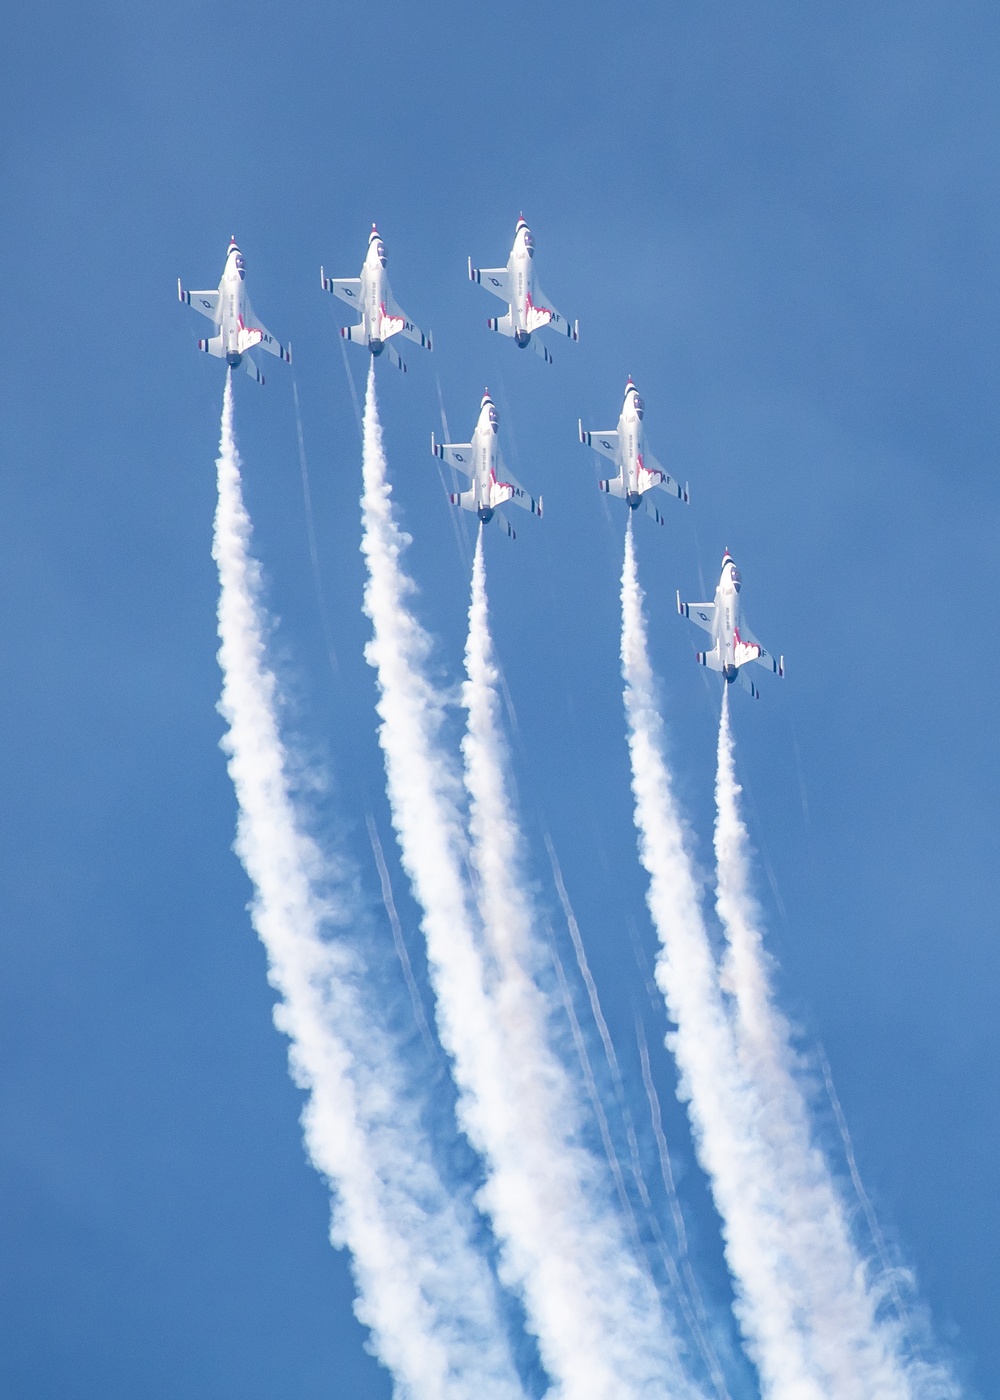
[424, 1292]
[721, 1103]
[568, 1300]
[860, 1350]
[584, 1236]
[800, 1350]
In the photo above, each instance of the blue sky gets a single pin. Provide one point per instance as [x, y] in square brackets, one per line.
[780, 219]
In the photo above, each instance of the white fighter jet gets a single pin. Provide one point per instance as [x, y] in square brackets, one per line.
[480, 460]
[638, 470]
[735, 645]
[237, 325]
[381, 316]
[528, 308]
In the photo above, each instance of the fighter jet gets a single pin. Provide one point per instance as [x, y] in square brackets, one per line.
[235, 320]
[480, 460]
[528, 308]
[735, 644]
[381, 316]
[638, 470]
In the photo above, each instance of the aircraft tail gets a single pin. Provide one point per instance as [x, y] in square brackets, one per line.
[213, 346]
[355, 333]
[465, 499]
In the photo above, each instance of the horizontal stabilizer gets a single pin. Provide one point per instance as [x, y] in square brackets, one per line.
[356, 334]
[465, 499]
[614, 487]
[503, 325]
[393, 357]
[748, 684]
[252, 369]
[213, 347]
[710, 659]
[540, 349]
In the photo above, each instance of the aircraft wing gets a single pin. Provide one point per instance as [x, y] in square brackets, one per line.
[763, 657]
[207, 303]
[494, 279]
[542, 307]
[267, 340]
[408, 328]
[456, 454]
[509, 489]
[667, 483]
[703, 614]
[347, 288]
[605, 443]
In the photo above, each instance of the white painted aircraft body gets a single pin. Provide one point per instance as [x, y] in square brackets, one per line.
[238, 328]
[491, 485]
[381, 316]
[528, 308]
[638, 470]
[735, 646]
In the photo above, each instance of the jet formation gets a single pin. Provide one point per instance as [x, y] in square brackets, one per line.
[529, 311]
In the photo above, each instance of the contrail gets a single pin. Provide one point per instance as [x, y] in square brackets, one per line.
[311, 536]
[397, 937]
[686, 1287]
[424, 1292]
[568, 1300]
[721, 1103]
[860, 1348]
